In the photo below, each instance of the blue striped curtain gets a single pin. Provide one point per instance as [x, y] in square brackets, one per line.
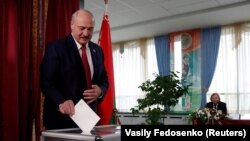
[163, 54]
[210, 40]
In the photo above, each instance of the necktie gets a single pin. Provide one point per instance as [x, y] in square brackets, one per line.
[86, 67]
[215, 106]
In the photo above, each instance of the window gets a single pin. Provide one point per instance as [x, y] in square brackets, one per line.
[232, 74]
[134, 62]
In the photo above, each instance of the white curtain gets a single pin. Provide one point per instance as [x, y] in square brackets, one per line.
[232, 75]
[134, 62]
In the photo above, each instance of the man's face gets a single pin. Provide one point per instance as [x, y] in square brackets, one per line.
[82, 28]
[215, 99]
[186, 60]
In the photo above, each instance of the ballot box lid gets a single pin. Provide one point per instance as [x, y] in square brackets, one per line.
[101, 132]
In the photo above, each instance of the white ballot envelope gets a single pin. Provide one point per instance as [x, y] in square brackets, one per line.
[85, 117]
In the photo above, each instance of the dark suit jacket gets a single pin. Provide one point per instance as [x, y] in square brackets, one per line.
[221, 106]
[62, 78]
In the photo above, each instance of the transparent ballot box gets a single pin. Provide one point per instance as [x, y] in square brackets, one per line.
[98, 133]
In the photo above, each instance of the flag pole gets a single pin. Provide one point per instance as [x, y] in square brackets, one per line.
[106, 7]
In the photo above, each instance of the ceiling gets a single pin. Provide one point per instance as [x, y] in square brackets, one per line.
[135, 19]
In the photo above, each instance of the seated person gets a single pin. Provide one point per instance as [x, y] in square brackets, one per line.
[217, 104]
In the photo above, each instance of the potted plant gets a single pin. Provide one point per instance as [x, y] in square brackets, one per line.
[162, 91]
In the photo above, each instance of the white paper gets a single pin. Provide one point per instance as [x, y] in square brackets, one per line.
[85, 117]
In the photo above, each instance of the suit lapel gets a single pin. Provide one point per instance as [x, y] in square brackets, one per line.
[94, 56]
[74, 52]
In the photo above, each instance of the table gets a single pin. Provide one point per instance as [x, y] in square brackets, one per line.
[235, 122]
[225, 122]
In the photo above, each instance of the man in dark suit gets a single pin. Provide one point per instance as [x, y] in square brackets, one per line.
[216, 103]
[63, 78]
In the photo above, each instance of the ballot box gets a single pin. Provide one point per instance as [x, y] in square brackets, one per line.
[98, 133]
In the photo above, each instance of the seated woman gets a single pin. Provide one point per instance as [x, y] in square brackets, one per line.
[216, 103]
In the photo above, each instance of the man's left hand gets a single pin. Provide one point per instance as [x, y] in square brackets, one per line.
[90, 95]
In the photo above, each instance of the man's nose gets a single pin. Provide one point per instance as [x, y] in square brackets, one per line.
[85, 32]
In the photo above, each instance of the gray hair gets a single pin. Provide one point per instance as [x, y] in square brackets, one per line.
[75, 14]
[215, 94]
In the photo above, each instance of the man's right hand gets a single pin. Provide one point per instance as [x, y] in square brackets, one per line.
[67, 107]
